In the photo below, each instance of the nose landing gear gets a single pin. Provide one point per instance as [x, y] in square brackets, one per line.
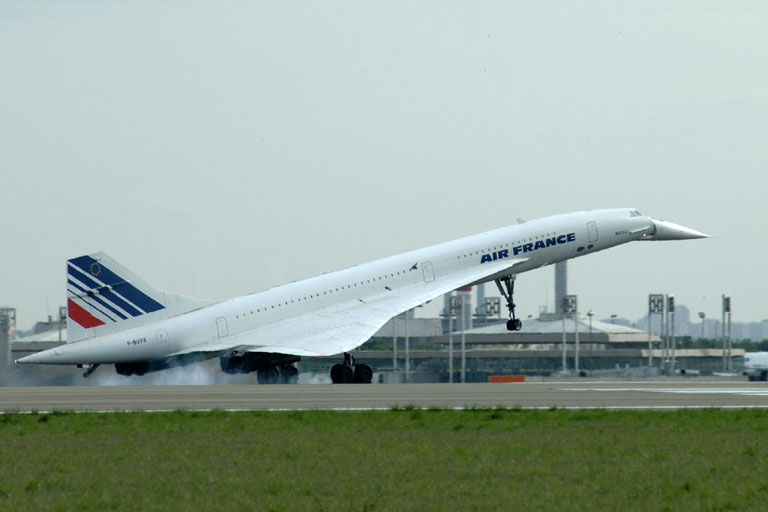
[506, 286]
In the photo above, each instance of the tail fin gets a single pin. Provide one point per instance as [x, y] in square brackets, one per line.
[104, 297]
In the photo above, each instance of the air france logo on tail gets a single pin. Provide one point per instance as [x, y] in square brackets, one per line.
[533, 246]
[97, 296]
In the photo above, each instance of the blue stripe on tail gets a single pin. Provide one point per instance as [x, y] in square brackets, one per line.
[94, 298]
[104, 292]
[119, 285]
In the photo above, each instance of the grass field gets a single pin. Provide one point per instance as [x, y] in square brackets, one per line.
[407, 459]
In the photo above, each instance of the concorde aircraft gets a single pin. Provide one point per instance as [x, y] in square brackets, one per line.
[115, 317]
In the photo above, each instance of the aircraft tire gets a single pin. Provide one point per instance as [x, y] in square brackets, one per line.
[342, 374]
[363, 373]
[336, 373]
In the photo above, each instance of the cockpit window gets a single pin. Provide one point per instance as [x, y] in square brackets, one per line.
[634, 213]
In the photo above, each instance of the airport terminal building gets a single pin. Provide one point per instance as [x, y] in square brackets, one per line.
[603, 349]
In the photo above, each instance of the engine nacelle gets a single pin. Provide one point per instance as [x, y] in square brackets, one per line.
[142, 367]
[234, 365]
[251, 362]
[129, 369]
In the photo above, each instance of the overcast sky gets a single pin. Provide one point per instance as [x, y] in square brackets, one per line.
[219, 148]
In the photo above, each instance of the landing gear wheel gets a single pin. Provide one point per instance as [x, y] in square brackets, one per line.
[349, 372]
[363, 373]
[342, 374]
[506, 286]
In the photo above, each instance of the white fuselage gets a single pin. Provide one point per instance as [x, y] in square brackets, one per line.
[534, 244]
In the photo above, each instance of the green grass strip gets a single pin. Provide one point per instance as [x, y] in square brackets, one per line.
[404, 459]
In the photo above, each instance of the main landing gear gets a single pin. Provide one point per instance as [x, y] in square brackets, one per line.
[350, 372]
[270, 368]
[507, 288]
[286, 374]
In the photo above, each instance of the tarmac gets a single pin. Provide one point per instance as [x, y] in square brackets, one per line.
[582, 394]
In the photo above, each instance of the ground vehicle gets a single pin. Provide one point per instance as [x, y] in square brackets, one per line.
[756, 365]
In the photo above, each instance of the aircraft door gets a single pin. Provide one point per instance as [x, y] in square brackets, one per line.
[592, 229]
[429, 272]
[221, 326]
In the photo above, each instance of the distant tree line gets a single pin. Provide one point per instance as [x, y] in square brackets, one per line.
[386, 344]
[746, 343]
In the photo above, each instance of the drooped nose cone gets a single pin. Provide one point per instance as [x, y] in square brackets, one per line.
[666, 230]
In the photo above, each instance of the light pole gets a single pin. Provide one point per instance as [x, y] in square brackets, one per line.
[569, 306]
[463, 340]
[590, 314]
[407, 349]
[450, 337]
[576, 340]
[726, 333]
[671, 323]
[702, 316]
[408, 346]
[455, 307]
[62, 320]
[394, 346]
[730, 341]
[655, 305]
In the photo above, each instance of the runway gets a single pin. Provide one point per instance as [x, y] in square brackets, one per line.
[571, 395]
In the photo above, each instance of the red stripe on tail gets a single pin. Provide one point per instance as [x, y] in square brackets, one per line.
[81, 316]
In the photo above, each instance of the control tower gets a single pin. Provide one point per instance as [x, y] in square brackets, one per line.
[7, 325]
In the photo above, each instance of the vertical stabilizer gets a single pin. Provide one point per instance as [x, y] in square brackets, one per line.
[104, 297]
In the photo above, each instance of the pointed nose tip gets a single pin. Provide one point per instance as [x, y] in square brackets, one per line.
[666, 230]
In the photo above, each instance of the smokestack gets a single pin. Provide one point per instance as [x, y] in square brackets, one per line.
[480, 307]
[447, 311]
[466, 312]
[561, 285]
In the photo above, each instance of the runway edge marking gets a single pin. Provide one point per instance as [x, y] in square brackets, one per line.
[425, 408]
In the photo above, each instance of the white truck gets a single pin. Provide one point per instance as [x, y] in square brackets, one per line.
[756, 365]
